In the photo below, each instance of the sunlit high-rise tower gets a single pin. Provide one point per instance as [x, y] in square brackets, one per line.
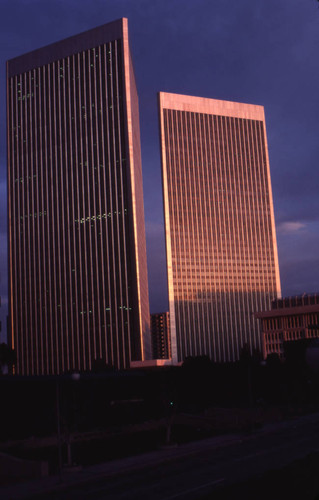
[221, 245]
[77, 255]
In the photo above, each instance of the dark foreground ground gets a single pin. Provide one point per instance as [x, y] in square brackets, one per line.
[125, 440]
[240, 431]
[279, 461]
[297, 481]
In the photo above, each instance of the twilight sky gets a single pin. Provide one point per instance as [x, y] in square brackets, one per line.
[253, 51]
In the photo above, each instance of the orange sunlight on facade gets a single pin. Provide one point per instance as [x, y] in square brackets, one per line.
[77, 253]
[221, 245]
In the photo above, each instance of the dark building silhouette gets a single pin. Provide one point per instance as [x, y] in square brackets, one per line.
[160, 335]
[77, 254]
[221, 245]
[290, 319]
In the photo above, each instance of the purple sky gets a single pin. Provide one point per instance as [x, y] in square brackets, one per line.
[255, 51]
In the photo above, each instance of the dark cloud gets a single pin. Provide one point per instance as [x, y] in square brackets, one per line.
[297, 208]
[263, 52]
[298, 244]
[297, 276]
[156, 273]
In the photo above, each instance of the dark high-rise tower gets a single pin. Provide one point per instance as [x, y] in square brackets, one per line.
[160, 335]
[220, 233]
[77, 255]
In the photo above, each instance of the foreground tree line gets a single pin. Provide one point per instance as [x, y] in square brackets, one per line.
[107, 398]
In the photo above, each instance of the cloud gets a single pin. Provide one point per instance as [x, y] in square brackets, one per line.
[290, 227]
[299, 275]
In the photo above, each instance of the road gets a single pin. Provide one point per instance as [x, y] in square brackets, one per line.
[192, 470]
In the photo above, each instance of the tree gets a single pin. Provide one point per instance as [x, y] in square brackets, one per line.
[7, 357]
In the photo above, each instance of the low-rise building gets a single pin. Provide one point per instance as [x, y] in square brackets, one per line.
[290, 319]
